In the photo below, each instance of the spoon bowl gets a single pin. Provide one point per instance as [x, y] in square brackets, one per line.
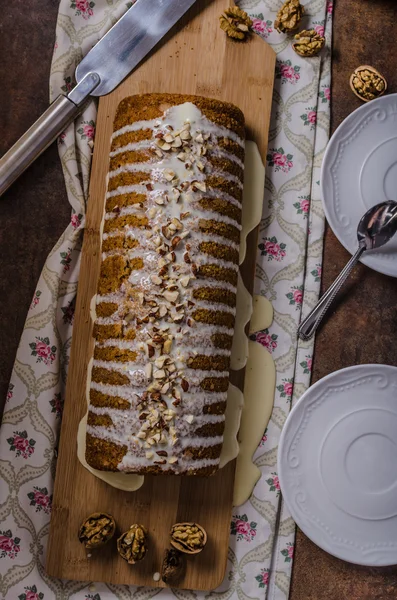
[374, 230]
[378, 225]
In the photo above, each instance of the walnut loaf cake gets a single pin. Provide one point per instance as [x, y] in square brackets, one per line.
[165, 304]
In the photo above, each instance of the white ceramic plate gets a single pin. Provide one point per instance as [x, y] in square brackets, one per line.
[337, 464]
[359, 170]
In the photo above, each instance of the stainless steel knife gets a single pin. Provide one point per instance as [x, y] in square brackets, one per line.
[120, 50]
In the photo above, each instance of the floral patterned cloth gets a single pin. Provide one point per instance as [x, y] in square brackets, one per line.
[288, 273]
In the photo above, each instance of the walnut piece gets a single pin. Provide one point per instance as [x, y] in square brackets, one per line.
[173, 566]
[189, 538]
[289, 16]
[132, 545]
[96, 530]
[236, 23]
[309, 42]
[367, 83]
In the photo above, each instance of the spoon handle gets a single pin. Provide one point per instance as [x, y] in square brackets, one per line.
[308, 327]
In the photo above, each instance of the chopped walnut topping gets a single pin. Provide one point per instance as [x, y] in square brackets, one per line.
[185, 135]
[171, 296]
[199, 185]
[166, 306]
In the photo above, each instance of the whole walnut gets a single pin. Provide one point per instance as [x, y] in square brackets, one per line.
[289, 16]
[189, 538]
[236, 23]
[132, 544]
[309, 42]
[96, 530]
[367, 83]
[173, 566]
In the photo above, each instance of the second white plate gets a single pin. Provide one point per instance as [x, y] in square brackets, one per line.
[359, 170]
[337, 464]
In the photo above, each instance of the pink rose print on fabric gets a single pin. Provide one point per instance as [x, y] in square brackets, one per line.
[9, 545]
[286, 388]
[31, 593]
[325, 93]
[57, 405]
[267, 340]
[310, 117]
[36, 299]
[288, 552]
[295, 296]
[20, 444]
[306, 365]
[91, 596]
[242, 528]
[66, 259]
[303, 206]
[43, 351]
[330, 7]
[316, 273]
[10, 392]
[279, 160]
[87, 131]
[273, 483]
[83, 8]
[264, 28]
[68, 312]
[76, 220]
[263, 578]
[319, 27]
[61, 137]
[287, 72]
[41, 499]
[264, 438]
[271, 248]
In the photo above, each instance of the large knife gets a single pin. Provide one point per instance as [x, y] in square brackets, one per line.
[120, 50]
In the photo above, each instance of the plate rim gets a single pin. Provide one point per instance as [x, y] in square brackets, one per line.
[330, 146]
[291, 508]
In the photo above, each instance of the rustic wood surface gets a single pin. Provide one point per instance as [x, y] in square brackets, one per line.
[363, 326]
[35, 211]
[183, 64]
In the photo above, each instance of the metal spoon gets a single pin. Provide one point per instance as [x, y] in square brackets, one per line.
[375, 229]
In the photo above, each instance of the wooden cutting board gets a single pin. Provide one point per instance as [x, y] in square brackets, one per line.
[195, 58]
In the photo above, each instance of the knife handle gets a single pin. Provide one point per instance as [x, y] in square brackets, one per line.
[40, 135]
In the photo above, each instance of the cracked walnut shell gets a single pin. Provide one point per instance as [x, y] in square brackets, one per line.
[367, 83]
[189, 538]
[309, 42]
[96, 530]
[289, 16]
[173, 566]
[236, 23]
[132, 544]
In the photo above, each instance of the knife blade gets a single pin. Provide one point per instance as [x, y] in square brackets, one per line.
[120, 50]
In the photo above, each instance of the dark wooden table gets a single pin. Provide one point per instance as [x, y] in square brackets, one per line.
[35, 211]
[363, 328]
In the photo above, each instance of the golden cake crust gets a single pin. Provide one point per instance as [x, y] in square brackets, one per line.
[166, 294]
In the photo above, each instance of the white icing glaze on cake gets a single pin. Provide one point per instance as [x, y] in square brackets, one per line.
[156, 434]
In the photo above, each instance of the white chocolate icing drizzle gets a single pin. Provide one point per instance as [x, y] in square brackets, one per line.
[243, 486]
[253, 192]
[260, 381]
[171, 355]
[239, 354]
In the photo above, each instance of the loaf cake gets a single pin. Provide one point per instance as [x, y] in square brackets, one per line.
[166, 295]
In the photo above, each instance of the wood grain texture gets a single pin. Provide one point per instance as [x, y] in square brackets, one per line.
[362, 327]
[35, 211]
[196, 58]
